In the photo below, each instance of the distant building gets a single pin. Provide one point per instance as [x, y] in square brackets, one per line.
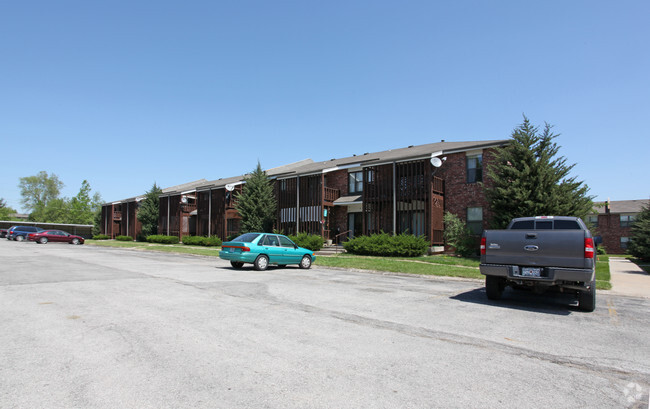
[613, 222]
[405, 190]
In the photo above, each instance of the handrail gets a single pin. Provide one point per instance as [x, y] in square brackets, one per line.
[336, 240]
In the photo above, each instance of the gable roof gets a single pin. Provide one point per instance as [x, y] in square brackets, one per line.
[623, 206]
[401, 154]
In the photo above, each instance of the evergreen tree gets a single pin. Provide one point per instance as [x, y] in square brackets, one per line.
[639, 245]
[257, 204]
[527, 178]
[149, 211]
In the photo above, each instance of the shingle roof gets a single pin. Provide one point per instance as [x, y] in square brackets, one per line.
[411, 152]
[623, 206]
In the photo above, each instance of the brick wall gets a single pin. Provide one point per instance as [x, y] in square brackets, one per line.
[338, 216]
[609, 228]
[459, 195]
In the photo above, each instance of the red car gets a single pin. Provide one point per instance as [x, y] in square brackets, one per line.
[56, 236]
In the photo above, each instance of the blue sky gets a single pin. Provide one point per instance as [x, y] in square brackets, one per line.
[125, 93]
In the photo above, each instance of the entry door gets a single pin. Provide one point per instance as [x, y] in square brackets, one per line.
[355, 224]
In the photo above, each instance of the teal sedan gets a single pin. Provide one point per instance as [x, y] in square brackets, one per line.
[263, 249]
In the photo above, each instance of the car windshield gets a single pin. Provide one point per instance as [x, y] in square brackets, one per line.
[247, 237]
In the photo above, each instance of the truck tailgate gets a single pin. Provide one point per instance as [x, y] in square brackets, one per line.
[545, 248]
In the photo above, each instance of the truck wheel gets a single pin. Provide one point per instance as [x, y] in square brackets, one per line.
[494, 287]
[587, 299]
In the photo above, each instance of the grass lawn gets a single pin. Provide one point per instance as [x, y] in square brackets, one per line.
[603, 276]
[439, 265]
[168, 248]
[430, 265]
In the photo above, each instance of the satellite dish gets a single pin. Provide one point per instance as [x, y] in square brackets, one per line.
[436, 162]
[230, 188]
[184, 199]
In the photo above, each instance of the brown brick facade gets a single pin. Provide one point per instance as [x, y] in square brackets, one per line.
[610, 230]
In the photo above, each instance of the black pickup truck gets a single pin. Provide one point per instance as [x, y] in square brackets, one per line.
[542, 253]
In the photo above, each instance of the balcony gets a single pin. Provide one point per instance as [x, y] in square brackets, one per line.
[117, 216]
[188, 208]
[331, 194]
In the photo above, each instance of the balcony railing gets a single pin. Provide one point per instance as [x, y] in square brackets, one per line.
[188, 208]
[117, 216]
[331, 194]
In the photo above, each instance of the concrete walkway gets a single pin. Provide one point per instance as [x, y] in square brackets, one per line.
[628, 278]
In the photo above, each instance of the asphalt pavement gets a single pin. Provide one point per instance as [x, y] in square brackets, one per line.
[91, 327]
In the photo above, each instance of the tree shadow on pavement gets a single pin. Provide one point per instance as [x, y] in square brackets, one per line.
[549, 303]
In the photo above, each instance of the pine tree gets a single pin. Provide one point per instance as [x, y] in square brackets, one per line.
[257, 204]
[639, 245]
[149, 211]
[529, 179]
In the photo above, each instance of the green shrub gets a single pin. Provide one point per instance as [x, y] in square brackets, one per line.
[101, 237]
[162, 239]
[384, 244]
[601, 250]
[313, 242]
[124, 238]
[458, 236]
[202, 241]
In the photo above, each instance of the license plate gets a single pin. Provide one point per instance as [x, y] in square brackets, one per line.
[231, 250]
[531, 272]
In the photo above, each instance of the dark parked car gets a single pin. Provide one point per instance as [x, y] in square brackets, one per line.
[55, 236]
[19, 233]
[3, 233]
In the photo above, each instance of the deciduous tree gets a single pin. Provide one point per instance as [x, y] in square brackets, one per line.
[38, 192]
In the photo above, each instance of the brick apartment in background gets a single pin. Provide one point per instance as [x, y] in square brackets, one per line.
[613, 221]
[395, 191]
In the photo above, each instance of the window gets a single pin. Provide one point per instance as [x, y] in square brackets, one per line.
[627, 220]
[285, 242]
[475, 219]
[593, 220]
[474, 168]
[566, 225]
[624, 242]
[523, 225]
[270, 240]
[355, 182]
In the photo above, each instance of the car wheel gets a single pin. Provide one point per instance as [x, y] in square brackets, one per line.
[20, 238]
[42, 240]
[261, 262]
[494, 287]
[237, 264]
[587, 299]
[305, 262]
[75, 241]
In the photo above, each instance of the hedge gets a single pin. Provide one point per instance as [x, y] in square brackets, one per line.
[162, 239]
[202, 241]
[101, 237]
[124, 238]
[383, 244]
[313, 242]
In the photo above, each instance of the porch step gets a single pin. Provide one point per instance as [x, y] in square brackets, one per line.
[330, 250]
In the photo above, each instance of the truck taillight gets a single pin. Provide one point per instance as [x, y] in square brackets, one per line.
[483, 246]
[589, 247]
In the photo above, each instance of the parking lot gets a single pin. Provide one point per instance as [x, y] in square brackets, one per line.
[93, 327]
